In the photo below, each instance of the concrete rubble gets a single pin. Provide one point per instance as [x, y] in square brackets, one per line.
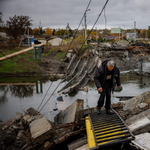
[80, 69]
[33, 131]
[136, 113]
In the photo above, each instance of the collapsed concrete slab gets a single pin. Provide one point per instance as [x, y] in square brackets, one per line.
[140, 126]
[137, 102]
[69, 114]
[40, 128]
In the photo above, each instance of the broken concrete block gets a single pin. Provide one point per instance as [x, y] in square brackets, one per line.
[142, 105]
[41, 130]
[69, 114]
[141, 141]
[140, 126]
[134, 102]
[78, 144]
[84, 147]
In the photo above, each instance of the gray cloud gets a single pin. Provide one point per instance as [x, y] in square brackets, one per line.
[57, 13]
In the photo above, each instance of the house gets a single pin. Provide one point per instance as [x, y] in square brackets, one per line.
[55, 41]
[110, 37]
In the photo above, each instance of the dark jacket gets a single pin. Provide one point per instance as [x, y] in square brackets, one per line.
[101, 74]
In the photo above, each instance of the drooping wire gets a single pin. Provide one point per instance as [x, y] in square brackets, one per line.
[62, 62]
[94, 23]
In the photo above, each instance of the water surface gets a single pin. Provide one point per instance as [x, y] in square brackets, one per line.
[19, 94]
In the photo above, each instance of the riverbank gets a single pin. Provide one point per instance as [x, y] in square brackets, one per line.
[126, 56]
[25, 65]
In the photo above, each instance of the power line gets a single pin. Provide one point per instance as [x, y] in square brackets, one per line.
[61, 63]
[95, 23]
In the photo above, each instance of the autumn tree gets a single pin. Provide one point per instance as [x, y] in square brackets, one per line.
[17, 25]
[36, 31]
[48, 31]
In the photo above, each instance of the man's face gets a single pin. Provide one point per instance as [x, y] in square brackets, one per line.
[110, 68]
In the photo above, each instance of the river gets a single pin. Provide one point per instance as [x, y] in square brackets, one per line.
[19, 94]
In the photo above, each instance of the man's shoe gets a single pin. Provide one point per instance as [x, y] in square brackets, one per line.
[109, 111]
[98, 110]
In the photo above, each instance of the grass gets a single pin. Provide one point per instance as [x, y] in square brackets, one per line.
[11, 65]
[22, 62]
[59, 56]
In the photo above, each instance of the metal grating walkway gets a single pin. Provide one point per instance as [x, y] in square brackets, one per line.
[104, 130]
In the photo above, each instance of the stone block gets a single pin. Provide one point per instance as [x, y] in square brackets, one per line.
[69, 114]
[41, 130]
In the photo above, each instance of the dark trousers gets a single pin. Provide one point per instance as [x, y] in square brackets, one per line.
[106, 93]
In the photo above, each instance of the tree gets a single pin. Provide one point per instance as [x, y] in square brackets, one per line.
[17, 25]
[53, 32]
[49, 31]
[148, 32]
[36, 31]
[60, 32]
[1, 20]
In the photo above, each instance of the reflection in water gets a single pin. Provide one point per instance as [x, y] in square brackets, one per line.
[21, 91]
[15, 97]
[4, 89]
[37, 87]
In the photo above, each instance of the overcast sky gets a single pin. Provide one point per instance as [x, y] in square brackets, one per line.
[57, 13]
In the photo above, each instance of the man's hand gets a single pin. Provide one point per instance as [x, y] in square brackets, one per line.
[118, 87]
[100, 90]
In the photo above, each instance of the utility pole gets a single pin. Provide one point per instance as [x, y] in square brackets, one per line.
[28, 37]
[85, 26]
[68, 31]
[96, 34]
[134, 26]
[122, 35]
[83, 30]
[119, 34]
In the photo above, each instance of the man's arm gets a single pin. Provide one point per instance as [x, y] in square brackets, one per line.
[118, 79]
[97, 77]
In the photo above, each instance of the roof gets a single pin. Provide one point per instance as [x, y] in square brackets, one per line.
[110, 37]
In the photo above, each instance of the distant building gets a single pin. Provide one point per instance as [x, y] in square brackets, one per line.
[31, 41]
[110, 37]
[55, 42]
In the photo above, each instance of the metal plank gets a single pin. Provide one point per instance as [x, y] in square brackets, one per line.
[109, 129]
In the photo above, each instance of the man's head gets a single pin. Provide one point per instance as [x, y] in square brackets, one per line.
[110, 65]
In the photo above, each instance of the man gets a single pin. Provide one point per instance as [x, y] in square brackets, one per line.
[104, 80]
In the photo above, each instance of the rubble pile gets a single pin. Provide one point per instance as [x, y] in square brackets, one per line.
[33, 131]
[136, 113]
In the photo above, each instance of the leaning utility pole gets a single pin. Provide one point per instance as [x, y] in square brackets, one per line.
[85, 28]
